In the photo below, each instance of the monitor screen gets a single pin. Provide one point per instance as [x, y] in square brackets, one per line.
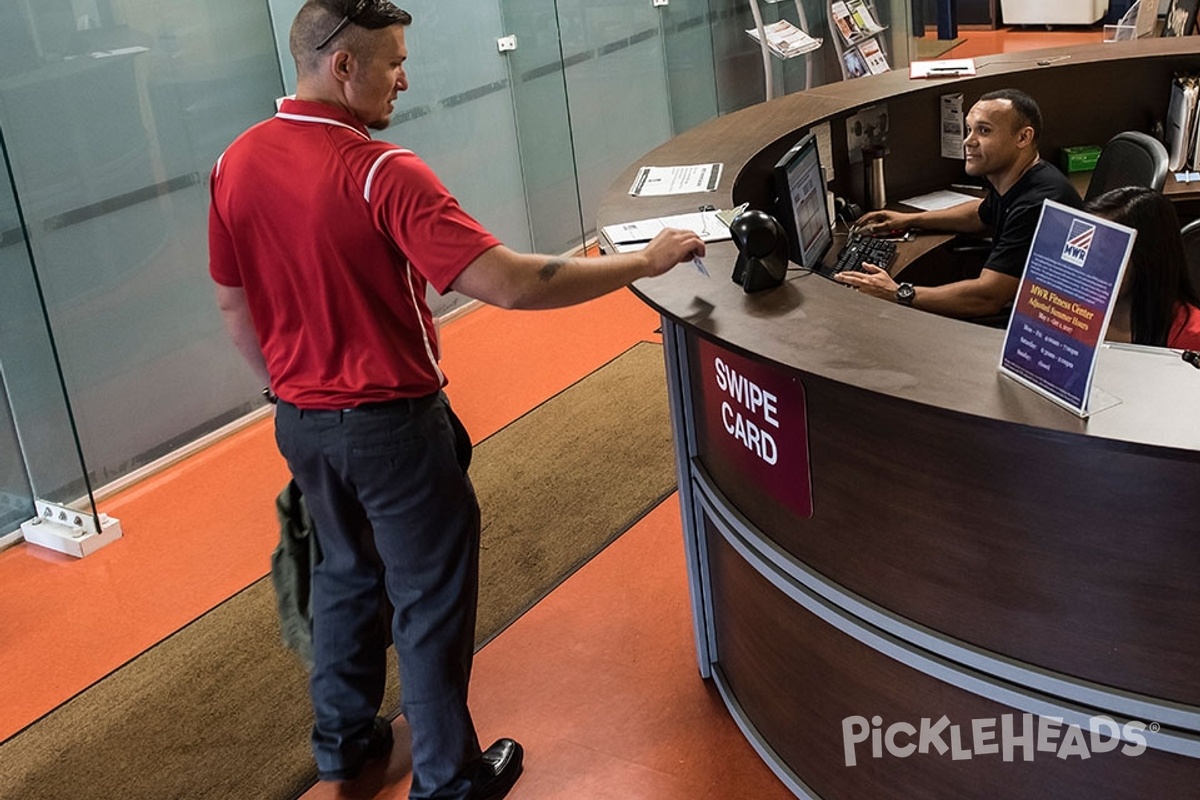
[800, 189]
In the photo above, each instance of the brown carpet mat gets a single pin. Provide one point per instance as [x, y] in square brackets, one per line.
[220, 709]
[931, 47]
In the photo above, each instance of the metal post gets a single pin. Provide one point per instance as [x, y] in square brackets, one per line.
[947, 18]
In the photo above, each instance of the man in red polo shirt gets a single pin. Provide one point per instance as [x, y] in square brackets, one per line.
[322, 241]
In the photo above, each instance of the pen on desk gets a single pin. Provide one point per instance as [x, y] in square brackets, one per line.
[966, 186]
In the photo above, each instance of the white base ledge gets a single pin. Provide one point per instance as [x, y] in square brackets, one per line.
[73, 541]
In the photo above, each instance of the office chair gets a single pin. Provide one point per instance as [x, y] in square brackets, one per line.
[1129, 159]
[1191, 250]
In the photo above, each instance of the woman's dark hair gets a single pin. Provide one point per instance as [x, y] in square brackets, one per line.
[1157, 266]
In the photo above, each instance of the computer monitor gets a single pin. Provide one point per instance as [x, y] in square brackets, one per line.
[802, 207]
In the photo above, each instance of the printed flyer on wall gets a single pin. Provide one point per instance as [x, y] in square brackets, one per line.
[1063, 304]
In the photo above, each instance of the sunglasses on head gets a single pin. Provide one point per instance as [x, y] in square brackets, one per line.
[359, 7]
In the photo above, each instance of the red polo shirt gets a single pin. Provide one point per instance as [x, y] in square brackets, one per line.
[1185, 330]
[334, 236]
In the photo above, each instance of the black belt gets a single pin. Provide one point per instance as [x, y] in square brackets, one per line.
[411, 405]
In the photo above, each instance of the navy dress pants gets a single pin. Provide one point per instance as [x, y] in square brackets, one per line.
[388, 492]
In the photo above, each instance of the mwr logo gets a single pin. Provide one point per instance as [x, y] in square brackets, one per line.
[1079, 241]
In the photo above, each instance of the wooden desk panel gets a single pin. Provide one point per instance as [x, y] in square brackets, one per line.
[797, 678]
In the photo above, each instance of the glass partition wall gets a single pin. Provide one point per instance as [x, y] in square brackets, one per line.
[33, 399]
[112, 113]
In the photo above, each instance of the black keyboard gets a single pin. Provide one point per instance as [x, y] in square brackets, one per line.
[861, 248]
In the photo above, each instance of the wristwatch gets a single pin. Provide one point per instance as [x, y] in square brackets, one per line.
[905, 294]
[271, 397]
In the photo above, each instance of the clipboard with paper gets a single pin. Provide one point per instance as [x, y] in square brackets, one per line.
[629, 237]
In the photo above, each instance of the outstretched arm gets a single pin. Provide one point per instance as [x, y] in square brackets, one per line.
[509, 279]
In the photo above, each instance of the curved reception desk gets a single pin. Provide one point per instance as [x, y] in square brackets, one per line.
[911, 576]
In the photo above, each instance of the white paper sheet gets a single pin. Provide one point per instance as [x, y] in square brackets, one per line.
[952, 126]
[935, 201]
[654, 181]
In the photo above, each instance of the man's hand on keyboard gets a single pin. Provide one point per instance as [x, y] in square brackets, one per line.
[872, 280]
[883, 223]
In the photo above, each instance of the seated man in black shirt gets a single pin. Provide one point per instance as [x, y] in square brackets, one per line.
[1003, 129]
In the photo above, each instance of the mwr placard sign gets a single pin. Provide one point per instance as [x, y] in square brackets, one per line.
[754, 417]
[1063, 304]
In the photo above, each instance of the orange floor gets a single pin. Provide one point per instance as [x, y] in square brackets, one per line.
[193, 537]
[1014, 40]
[501, 364]
[203, 530]
[599, 683]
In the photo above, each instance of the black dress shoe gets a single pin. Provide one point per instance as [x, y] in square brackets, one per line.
[379, 745]
[496, 770]
[381, 740]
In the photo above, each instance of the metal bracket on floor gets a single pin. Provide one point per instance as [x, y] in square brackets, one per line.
[69, 531]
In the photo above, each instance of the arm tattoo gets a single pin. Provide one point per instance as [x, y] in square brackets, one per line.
[550, 268]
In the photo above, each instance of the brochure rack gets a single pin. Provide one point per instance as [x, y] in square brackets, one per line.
[763, 34]
[856, 30]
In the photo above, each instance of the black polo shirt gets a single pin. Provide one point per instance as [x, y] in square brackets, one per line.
[1014, 216]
